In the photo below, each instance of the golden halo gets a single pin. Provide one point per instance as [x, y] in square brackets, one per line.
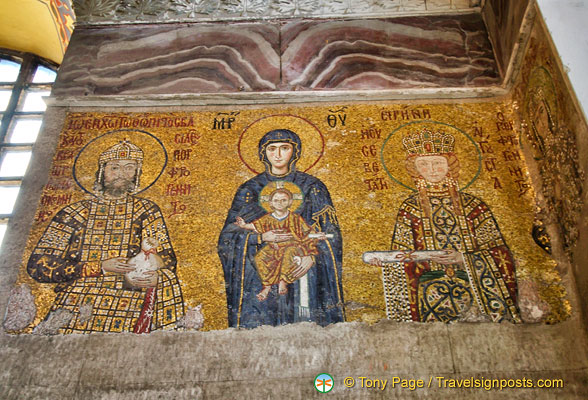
[540, 81]
[154, 157]
[393, 154]
[297, 195]
[313, 143]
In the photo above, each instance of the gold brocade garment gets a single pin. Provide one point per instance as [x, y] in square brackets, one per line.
[429, 291]
[71, 251]
[275, 261]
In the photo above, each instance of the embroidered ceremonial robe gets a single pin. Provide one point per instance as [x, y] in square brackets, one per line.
[275, 262]
[429, 291]
[238, 247]
[71, 250]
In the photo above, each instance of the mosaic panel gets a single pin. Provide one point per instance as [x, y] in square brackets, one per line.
[269, 216]
[552, 127]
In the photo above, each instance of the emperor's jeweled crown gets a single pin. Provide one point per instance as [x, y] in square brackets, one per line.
[124, 150]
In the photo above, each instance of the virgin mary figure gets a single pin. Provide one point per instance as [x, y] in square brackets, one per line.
[316, 294]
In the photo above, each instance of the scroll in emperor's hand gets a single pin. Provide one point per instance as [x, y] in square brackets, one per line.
[399, 256]
[320, 235]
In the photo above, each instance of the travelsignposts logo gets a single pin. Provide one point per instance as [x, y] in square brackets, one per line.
[324, 383]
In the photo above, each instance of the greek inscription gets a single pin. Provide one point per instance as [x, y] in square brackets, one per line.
[181, 189]
[65, 155]
[58, 184]
[190, 138]
[180, 155]
[333, 120]
[490, 164]
[405, 114]
[336, 117]
[369, 150]
[509, 140]
[178, 208]
[59, 170]
[479, 132]
[515, 171]
[375, 184]
[523, 186]
[43, 216]
[497, 184]
[371, 133]
[222, 123]
[371, 167]
[511, 155]
[115, 122]
[178, 172]
[55, 200]
[485, 147]
[503, 124]
[224, 120]
[71, 140]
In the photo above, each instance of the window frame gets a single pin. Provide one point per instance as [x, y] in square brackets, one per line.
[13, 112]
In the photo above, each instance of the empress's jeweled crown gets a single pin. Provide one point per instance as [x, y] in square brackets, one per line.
[425, 142]
[124, 150]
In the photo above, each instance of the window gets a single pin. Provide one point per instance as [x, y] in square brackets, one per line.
[24, 80]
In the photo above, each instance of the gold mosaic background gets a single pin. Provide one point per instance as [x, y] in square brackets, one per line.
[205, 156]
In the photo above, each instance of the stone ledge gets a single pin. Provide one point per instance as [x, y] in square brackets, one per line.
[276, 98]
[108, 12]
[190, 364]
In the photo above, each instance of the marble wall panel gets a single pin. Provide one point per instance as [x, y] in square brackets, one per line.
[407, 52]
[411, 52]
[171, 59]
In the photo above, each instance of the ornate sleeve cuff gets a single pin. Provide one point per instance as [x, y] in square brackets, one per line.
[91, 269]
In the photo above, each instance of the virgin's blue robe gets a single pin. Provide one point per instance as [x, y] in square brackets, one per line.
[237, 248]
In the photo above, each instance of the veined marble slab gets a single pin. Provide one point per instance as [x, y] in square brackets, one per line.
[426, 52]
[203, 58]
[384, 54]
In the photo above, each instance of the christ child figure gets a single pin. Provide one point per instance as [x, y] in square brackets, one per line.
[277, 263]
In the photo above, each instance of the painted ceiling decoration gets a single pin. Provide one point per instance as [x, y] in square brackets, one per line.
[41, 27]
[64, 19]
[117, 11]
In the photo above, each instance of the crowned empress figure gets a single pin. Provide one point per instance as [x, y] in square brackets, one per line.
[467, 268]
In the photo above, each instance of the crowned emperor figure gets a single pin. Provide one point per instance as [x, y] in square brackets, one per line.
[87, 251]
